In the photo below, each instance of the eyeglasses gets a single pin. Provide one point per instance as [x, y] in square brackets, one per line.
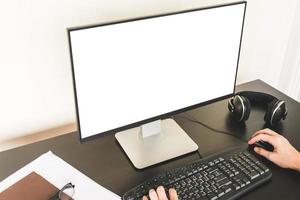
[65, 193]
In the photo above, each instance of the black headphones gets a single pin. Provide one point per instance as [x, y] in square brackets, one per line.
[240, 106]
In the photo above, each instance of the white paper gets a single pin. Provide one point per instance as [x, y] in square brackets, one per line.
[58, 172]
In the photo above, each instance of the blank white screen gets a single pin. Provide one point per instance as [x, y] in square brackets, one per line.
[128, 72]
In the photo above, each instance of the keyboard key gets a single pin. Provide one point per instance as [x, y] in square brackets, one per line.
[246, 181]
[253, 175]
[219, 178]
[226, 189]
[236, 186]
[212, 196]
[223, 182]
[262, 167]
[219, 192]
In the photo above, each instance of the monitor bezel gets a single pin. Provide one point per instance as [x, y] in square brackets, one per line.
[162, 116]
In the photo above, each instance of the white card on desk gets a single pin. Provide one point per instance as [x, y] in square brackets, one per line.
[59, 173]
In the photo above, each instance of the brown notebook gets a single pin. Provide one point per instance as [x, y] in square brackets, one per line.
[32, 187]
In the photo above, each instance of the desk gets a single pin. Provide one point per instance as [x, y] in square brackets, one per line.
[104, 161]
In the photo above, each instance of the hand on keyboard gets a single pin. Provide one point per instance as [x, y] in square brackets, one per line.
[284, 154]
[160, 194]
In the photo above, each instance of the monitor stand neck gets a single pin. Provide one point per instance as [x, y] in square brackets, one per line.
[151, 129]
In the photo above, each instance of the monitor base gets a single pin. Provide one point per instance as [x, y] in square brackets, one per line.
[170, 143]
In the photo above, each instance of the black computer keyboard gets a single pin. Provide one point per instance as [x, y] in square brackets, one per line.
[227, 175]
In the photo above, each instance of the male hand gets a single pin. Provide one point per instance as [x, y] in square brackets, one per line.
[284, 154]
[160, 194]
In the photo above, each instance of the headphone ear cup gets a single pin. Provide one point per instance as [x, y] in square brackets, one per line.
[240, 106]
[269, 112]
[247, 108]
[230, 105]
[278, 113]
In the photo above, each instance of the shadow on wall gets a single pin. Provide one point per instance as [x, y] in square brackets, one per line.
[35, 137]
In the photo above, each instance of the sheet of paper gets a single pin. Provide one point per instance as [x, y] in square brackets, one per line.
[58, 172]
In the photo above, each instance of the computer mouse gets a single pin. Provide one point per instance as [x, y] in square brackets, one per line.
[265, 145]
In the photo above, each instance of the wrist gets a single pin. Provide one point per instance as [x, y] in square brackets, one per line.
[297, 162]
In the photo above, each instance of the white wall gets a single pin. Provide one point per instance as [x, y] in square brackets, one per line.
[268, 27]
[35, 77]
[291, 63]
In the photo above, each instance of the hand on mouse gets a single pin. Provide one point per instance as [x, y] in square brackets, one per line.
[160, 194]
[284, 154]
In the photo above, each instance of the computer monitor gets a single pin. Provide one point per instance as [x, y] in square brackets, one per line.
[131, 76]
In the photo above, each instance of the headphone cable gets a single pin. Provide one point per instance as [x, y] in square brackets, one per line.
[210, 128]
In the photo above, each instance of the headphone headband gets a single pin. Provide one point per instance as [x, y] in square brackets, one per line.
[257, 97]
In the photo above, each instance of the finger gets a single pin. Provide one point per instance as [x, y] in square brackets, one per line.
[263, 137]
[145, 198]
[255, 134]
[161, 193]
[265, 131]
[263, 152]
[153, 195]
[173, 194]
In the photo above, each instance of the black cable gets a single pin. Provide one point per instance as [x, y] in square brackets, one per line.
[199, 154]
[210, 128]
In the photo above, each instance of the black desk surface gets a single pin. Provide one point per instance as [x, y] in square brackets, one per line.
[104, 161]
